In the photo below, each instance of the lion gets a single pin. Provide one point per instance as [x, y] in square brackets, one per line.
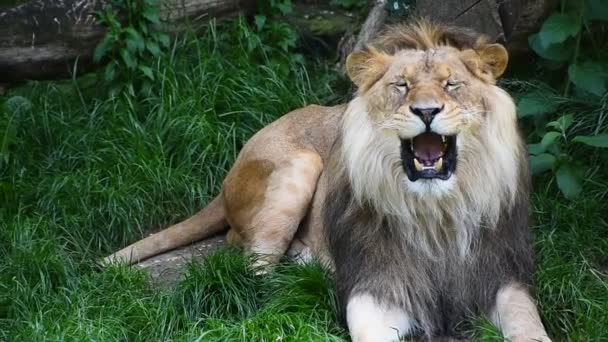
[415, 192]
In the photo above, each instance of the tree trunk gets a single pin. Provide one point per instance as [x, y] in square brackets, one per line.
[41, 39]
[505, 21]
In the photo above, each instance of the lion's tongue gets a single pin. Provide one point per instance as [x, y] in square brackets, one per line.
[428, 148]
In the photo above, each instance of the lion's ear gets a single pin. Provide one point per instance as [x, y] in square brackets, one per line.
[488, 62]
[495, 57]
[366, 67]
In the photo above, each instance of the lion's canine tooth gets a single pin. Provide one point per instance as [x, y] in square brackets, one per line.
[439, 164]
[417, 165]
[443, 138]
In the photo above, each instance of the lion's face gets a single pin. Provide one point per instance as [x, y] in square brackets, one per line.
[431, 102]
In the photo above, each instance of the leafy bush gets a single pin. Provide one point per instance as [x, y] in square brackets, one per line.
[271, 28]
[133, 41]
[571, 42]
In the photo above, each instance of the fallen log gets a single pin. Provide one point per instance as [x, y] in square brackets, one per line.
[42, 39]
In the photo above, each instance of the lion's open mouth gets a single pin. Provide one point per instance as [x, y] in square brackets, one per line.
[429, 155]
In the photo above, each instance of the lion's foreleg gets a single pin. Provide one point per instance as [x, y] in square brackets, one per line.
[369, 320]
[515, 314]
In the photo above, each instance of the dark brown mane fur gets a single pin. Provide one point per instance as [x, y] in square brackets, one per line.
[424, 34]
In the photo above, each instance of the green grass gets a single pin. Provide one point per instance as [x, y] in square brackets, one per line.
[83, 173]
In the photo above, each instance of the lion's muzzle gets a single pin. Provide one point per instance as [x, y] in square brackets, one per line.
[426, 114]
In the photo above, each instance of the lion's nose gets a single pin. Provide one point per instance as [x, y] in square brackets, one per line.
[427, 114]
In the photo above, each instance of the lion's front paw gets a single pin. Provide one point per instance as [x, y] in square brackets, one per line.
[523, 338]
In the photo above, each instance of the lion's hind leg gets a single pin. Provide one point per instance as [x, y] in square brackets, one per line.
[265, 221]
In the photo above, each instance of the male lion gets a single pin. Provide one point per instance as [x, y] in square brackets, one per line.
[416, 191]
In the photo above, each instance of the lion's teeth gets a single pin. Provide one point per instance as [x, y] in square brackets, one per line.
[439, 164]
[443, 138]
[417, 165]
[412, 144]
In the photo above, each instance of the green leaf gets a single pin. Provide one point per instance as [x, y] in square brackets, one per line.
[596, 10]
[563, 123]
[142, 27]
[549, 138]
[535, 149]
[558, 27]
[131, 45]
[128, 59]
[541, 163]
[260, 20]
[146, 88]
[289, 41]
[151, 13]
[102, 48]
[136, 38]
[164, 39]
[559, 52]
[147, 71]
[153, 48]
[589, 76]
[534, 104]
[568, 181]
[600, 140]
[284, 6]
[110, 71]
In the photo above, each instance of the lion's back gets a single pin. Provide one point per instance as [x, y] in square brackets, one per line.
[312, 127]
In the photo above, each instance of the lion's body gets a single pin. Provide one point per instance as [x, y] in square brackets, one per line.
[416, 191]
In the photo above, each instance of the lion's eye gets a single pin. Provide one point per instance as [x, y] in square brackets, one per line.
[401, 85]
[452, 85]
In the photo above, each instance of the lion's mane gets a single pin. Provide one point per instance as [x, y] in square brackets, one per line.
[429, 251]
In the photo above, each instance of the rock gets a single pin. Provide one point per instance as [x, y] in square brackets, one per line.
[167, 268]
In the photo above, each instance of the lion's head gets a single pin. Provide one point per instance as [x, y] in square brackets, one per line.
[428, 122]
